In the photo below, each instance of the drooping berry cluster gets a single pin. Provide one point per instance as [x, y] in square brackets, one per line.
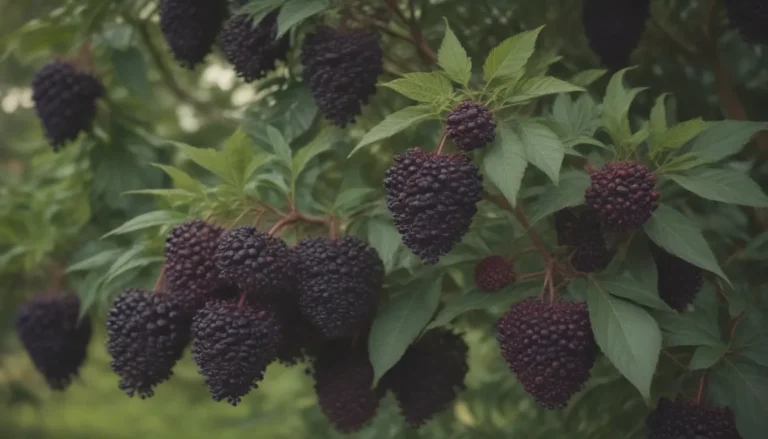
[233, 345]
[190, 27]
[433, 200]
[683, 418]
[257, 263]
[750, 17]
[343, 384]
[54, 338]
[566, 227]
[427, 379]
[614, 28]
[679, 281]
[301, 341]
[341, 68]
[339, 283]
[493, 273]
[550, 347]
[65, 101]
[147, 333]
[623, 194]
[253, 49]
[470, 125]
[591, 253]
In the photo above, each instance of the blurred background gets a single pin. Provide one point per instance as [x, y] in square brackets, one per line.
[54, 207]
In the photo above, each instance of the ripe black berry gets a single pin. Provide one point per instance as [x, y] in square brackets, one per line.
[341, 68]
[683, 418]
[433, 199]
[679, 281]
[53, 337]
[429, 376]
[300, 340]
[253, 49]
[566, 223]
[550, 347]
[614, 28]
[339, 283]
[623, 194]
[190, 27]
[233, 345]
[750, 17]
[147, 333]
[493, 273]
[470, 125]
[65, 101]
[343, 380]
[257, 263]
[591, 253]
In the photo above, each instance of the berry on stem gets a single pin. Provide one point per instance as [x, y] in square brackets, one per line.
[492, 273]
[190, 27]
[623, 195]
[679, 281]
[470, 125]
[253, 49]
[683, 418]
[614, 28]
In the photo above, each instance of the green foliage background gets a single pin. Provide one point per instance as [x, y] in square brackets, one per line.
[55, 209]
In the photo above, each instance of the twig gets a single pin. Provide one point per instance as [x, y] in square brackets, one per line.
[160, 282]
[295, 217]
[534, 275]
[702, 388]
[442, 143]
[426, 52]
[675, 360]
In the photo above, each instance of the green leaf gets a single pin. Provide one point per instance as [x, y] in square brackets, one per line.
[294, 12]
[676, 234]
[394, 123]
[569, 193]
[724, 185]
[453, 59]
[96, 261]
[677, 135]
[117, 36]
[132, 264]
[147, 220]
[181, 180]
[587, 77]
[750, 340]
[541, 86]
[237, 155]
[119, 266]
[705, 357]
[640, 264]
[422, 86]
[616, 105]
[658, 121]
[543, 148]
[320, 144]
[743, 388]
[292, 114]
[628, 336]
[209, 159]
[699, 327]
[399, 321]
[131, 68]
[723, 139]
[627, 287]
[482, 300]
[507, 60]
[505, 163]
[280, 146]
[384, 237]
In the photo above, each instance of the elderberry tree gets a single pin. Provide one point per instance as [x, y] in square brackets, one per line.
[417, 218]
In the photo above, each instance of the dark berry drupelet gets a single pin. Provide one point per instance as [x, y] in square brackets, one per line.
[614, 28]
[493, 273]
[300, 340]
[257, 263]
[750, 17]
[429, 376]
[566, 222]
[550, 347]
[591, 251]
[679, 281]
[190, 27]
[623, 195]
[432, 199]
[343, 384]
[253, 49]
[233, 345]
[147, 333]
[339, 283]
[341, 68]
[53, 337]
[65, 101]
[470, 125]
[189, 265]
[684, 419]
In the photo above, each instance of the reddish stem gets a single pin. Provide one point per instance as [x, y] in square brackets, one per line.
[160, 282]
[423, 48]
[702, 388]
[442, 144]
[241, 302]
[534, 275]
[295, 217]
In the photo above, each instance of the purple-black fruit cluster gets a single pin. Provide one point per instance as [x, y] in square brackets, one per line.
[623, 194]
[65, 101]
[470, 126]
[190, 27]
[233, 345]
[679, 281]
[750, 17]
[433, 199]
[566, 225]
[147, 333]
[591, 251]
[54, 338]
[339, 283]
[550, 347]
[253, 49]
[493, 273]
[683, 418]
[614, 28]
[341, 68]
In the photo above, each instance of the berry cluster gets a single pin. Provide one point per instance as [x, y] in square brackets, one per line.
[253, 49]
[591, 253]
[341, 68]
[493, 273]
[614, 28]
[54, 338]
[470, 125]
[623, 194]
[433, 199]
[550, 347]
[65, 101]
[683, 418]
[679, 281]
[750, 17]
[190, 27]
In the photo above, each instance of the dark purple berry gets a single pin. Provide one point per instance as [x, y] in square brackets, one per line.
[684, 419]
[470, 126]
[493, 273]
[623, 194]
[252, 48]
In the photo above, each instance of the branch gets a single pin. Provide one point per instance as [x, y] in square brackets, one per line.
[426, 52]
